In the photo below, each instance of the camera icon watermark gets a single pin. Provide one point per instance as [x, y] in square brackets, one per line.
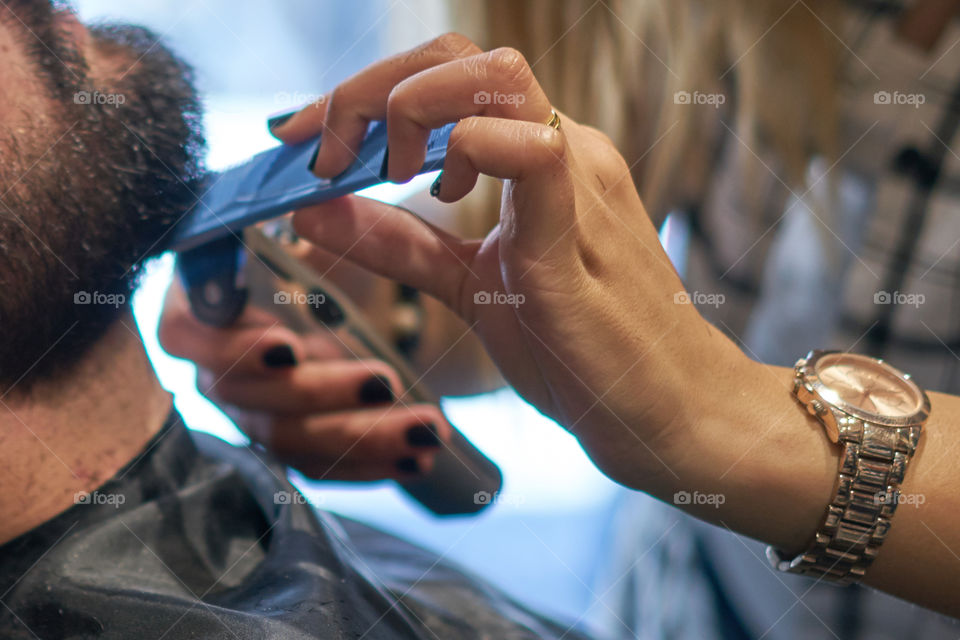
[289, 497]
[714, 100]
[485, 97]
[115, 100]
[897, 98]
[498, 297]
[897, 498]
[299, 297]
[115, 300]
[96, 497]
[681, 498]
[699, 298]
[509, 499]
[898, 298]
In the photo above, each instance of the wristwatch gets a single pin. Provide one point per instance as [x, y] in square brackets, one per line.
[876, 413]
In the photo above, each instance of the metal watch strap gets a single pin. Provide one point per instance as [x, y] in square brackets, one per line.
[866, 495]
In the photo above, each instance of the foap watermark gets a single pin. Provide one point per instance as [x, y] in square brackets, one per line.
[289, 497]
[510, 499]
[115, 100]
[903, 299]
[898, 98]
[681, 498]
[299, 297]
[499, 297]
[897, 498]
[696, 97]
[699, 298]
[115, 300]
[113, 499]
[485, 97]
[286, 99]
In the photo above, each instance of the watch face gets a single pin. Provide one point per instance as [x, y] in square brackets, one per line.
[868, 386]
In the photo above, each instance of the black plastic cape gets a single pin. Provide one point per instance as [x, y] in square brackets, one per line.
[206, 544]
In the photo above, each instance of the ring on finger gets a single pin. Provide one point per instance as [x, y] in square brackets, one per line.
[554, 121]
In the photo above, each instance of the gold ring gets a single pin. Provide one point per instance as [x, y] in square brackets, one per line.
[554, 120]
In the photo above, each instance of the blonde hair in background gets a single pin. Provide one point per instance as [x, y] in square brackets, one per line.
[618, 64]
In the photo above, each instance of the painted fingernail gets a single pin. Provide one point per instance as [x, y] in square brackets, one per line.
[313, 159]
[279, 357]
[276, 121]
[423, 435]
[435, 187]
[376, 390]
[384, 168]
[408, 465]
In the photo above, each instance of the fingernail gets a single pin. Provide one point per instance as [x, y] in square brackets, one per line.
[276, 121]
[423, 435]
[384, 168]
[279, 357]
[408, 465]
[313, 160]
[376, 390]
[435, 187]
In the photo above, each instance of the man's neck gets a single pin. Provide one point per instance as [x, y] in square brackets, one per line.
[74, 435]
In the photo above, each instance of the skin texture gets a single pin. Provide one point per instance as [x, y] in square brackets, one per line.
[659, 399]
[86, 192]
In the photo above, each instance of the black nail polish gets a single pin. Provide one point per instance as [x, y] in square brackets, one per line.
[384, 168]
[279, 357]
[276, 121]
[376, 390]
[313, 160]
[408, 465]
[423, 435]
[435, 187]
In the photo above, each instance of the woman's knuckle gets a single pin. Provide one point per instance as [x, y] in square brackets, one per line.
[402, 99]
[337, 102]
[600, 135]
[455, 45]
[548, 145]
[509, 65]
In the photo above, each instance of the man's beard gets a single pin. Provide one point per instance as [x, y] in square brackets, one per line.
[81, 211]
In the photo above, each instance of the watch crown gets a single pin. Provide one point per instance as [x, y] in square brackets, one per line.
[818, 407]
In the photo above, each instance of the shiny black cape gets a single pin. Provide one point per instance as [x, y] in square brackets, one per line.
[199, 539]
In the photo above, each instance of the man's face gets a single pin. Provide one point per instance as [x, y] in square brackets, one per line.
[99, 147]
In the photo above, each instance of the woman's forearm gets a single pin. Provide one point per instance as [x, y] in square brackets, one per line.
[757, 463]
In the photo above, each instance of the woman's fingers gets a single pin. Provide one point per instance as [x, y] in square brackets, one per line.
[541, 191]
[300, 125]
[255, 344]
[497, 84]
[311, 387]
[363, 97]
[391, 242]
[398, 245]
[397, 442]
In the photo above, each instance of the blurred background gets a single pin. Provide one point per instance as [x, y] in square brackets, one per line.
[546, 539]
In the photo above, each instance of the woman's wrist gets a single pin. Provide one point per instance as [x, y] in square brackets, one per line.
[747, 456]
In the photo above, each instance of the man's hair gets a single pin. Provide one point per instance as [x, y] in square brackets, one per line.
[89, 194]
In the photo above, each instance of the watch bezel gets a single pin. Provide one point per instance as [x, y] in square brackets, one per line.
[816, 386]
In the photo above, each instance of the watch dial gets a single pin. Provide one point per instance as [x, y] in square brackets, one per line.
[868, 385]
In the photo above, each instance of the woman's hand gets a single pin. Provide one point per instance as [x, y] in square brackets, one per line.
[571, 293]
[583, 313]
[326, 415]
